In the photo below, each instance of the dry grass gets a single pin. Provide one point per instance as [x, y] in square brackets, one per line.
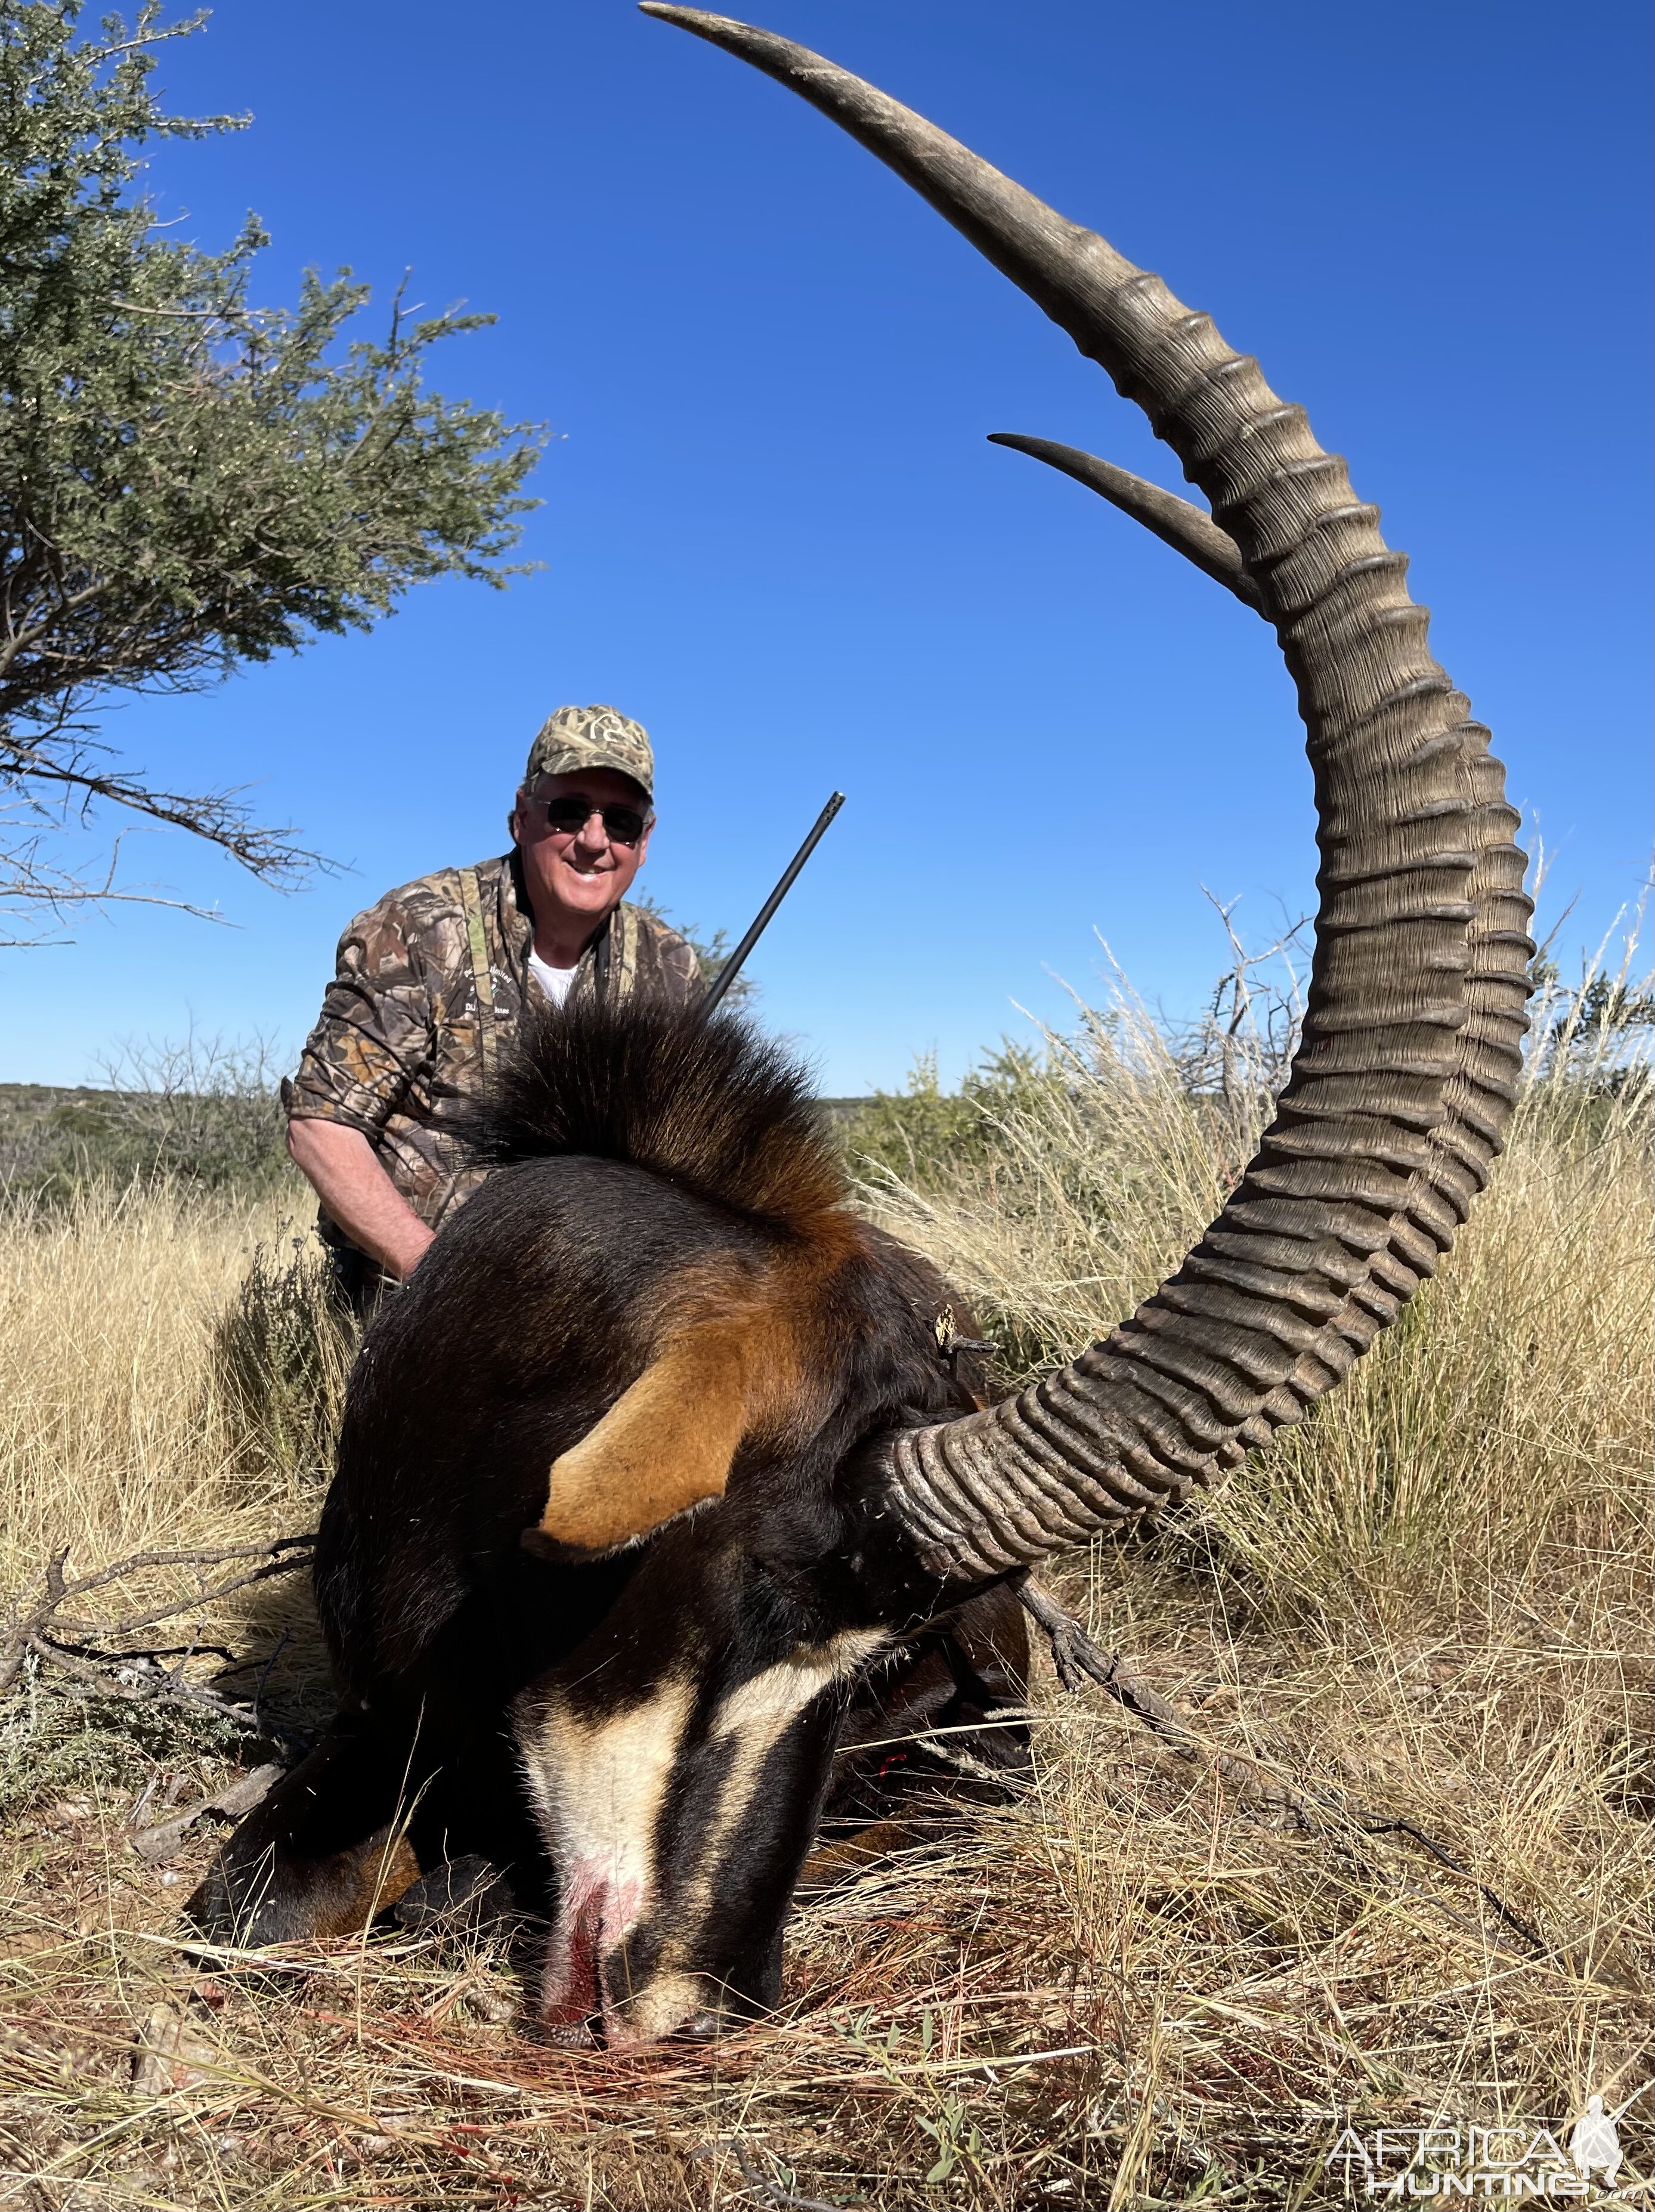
[119, 1428]
[1132, 1989]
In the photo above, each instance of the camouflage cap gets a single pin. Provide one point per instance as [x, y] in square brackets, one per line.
[577, 737]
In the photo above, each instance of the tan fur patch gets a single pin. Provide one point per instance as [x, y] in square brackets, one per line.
[385, 1867]
[830, 1864]
[732, 1358]
[664, 1445]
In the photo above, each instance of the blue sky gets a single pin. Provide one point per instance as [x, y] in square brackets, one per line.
[773, 530]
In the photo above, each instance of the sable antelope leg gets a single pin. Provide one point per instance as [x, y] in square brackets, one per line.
[325, 1853]
[384, 1799]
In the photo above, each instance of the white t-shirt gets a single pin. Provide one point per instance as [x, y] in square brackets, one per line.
[554, 981]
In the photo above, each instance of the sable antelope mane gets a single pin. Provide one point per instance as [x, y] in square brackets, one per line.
[739, 1456]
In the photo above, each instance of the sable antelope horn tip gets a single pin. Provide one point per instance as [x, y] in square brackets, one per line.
[702, 22]
[1174, 521]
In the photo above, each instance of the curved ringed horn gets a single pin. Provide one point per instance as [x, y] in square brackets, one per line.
[1402, 1085]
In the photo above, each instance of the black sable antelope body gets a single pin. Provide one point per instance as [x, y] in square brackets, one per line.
[674, 1699]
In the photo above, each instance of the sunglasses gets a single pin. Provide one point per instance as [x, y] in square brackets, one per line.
[623, 825]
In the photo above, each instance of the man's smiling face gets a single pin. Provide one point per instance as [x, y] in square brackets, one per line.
[580, 874]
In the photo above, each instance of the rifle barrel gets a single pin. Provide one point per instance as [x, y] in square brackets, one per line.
[731, 968]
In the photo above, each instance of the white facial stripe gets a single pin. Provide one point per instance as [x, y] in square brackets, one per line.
[768, 1701]
[665, 2001]
[603, 1779]
[756, 1715]
[600, 1785]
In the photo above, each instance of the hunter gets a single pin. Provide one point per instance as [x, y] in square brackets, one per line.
[432, 979]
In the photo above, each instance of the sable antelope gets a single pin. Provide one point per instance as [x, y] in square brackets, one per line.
[744, 1436]
[552, 1658]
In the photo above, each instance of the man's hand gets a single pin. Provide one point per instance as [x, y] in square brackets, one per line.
[340, 1167]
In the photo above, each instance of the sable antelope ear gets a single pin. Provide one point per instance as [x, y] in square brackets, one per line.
[664, 1445]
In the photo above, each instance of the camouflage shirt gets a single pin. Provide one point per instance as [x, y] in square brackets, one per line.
[430, 983]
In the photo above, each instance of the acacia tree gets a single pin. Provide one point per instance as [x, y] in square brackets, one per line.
[187, 482]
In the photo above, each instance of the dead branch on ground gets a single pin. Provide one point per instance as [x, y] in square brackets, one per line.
[101, 1655]
[1078, 1659]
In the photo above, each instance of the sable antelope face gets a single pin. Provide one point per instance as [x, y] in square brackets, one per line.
[676, 1759]
[677, 1779]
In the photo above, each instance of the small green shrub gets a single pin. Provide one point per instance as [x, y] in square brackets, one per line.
[55, 1739]
[923, 1132]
